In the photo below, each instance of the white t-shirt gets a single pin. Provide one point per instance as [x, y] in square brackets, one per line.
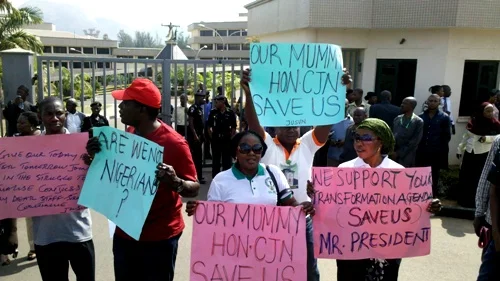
[297, 166]
[233, 187]
[74, 123]
[359, 163]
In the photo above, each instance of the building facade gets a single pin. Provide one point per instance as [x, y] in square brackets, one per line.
[403, 46]
[64, 44]
[216, 40]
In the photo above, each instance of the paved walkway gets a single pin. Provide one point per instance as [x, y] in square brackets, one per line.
[455, 255]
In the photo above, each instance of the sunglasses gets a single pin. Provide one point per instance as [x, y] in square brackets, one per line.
[364, 138]
[245, 148]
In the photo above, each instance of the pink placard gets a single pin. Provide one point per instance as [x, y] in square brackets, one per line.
[372, 213]
[41, 175]
[248, 242]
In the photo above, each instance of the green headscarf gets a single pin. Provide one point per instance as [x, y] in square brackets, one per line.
[381, 130]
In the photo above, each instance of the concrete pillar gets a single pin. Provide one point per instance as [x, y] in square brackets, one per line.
[18, 69]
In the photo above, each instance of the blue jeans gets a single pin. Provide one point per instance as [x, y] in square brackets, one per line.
[312, 262]
[145, 261]
[486, 271]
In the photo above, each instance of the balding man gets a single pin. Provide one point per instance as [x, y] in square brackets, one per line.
[74, 119]
[408, 130]
[384, 110]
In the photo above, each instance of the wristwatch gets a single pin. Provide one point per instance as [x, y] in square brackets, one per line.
[180, 188]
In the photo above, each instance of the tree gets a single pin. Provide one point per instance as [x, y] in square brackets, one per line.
[12, 34]
[142, 39]
[182, 40]
[125, 40]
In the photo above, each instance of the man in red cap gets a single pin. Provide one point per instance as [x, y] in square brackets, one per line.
[153, 256]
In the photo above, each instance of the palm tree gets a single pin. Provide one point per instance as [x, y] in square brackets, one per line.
[11, 33]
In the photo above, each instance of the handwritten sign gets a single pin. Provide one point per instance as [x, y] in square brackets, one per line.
[297, 84]
[248, 242]
[41, 175]
[372, 213]
[121, 180]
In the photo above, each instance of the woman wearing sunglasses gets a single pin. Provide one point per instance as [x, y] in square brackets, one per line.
[373, 141]
[249, 181]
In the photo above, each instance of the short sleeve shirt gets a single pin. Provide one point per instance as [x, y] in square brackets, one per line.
[296, 166]
[73, 227]
[165, 220]
[233, 187]
[359, 163]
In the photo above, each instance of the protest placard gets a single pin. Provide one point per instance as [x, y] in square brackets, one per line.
[372, 213]
[41, 175]
[248, 242]
[121, 181]
[297, 84]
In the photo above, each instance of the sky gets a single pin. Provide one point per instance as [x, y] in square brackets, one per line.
[148, 14]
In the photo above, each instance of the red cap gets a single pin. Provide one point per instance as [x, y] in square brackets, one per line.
[141, 90]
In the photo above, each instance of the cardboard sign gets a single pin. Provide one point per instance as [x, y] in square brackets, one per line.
[41, 175]
[297, 84]
[121, 181]
[248, 242]
[372, 213]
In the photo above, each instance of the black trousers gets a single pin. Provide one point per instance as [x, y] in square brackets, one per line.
[145, 261]
[197, 153]
[356, 270]
[54, 260]
[206, 144]
[221, 152]
[434, 161]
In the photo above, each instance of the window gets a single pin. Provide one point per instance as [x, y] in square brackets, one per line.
[245, 47]
[209, 46]
[222, 32]
[234, 32]
[89, 51]
[101, 65]
[219, 47]
[125, 57]
[103, 51]
[208, 33]
[244, 33]
[234, 47]
[145, 57]
[87, 65]
[77, 65]
[479, 78]
[47, 49]
[60, 50]
[397, 76]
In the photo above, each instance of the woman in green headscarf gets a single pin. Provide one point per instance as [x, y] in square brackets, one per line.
[373, 142]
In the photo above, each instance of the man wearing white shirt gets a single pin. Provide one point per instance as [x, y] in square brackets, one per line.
[294, 155]
[74, 119]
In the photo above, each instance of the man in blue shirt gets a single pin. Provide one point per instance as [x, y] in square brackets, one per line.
[435, 138]
[337, 138]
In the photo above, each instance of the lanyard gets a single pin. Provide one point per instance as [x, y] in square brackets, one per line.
[409, 122]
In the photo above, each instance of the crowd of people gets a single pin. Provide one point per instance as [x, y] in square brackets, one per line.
[374, 133]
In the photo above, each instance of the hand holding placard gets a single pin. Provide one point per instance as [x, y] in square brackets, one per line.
[121, 182]
[297, 84]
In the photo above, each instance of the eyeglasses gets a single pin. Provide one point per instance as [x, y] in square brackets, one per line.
[245, 148]
[364, 138]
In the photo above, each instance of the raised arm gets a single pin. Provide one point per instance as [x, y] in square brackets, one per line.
[250, 113]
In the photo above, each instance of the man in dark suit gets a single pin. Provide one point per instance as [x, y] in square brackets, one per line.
[14, 108]
[385, 110]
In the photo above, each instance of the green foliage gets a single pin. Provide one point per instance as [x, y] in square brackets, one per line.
[64, 84]
[179, 77]
[12, 34]
[142, 39]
